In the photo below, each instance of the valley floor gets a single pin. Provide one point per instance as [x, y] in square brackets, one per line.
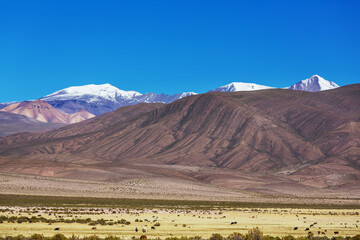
[172, 222]
[178, 207]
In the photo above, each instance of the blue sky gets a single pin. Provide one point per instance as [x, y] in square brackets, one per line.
[174, 46]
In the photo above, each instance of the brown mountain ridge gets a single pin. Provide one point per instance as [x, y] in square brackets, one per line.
[262, 140]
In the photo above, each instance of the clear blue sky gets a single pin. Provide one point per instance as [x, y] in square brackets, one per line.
[174, 46]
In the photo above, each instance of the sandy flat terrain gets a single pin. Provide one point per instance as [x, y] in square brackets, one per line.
[163, 188]
[154, 188]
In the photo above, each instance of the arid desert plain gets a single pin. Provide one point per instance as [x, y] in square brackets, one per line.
[177, 222]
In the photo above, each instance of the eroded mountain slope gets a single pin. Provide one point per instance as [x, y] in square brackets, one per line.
[297, 135]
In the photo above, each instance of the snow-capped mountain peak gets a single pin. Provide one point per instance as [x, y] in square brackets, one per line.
[314, 84]
[105, 91]
[240, 86]
[98, 99]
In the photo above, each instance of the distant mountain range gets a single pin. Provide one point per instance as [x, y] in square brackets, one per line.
[276, 141]
[98, 99]
[303, 140]
[78, 103]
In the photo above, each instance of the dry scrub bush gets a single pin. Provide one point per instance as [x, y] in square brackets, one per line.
[216, 236]
[288, 237]
[112, 238]
[254, 234]
[93, 237]
[37, 236]
[58, 236]
[236, 236]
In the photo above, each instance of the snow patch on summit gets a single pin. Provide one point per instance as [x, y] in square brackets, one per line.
[314, 84]
[240, 86]
[91, 92]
